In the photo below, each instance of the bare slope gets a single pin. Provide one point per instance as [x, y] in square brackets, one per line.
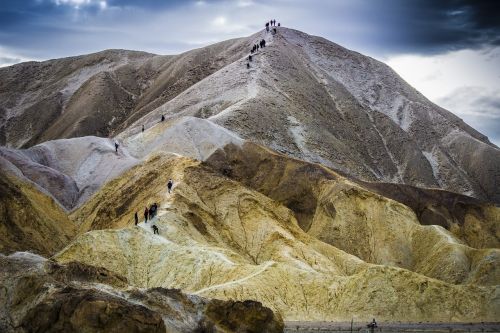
[70, 170]
[221, 239]
[99, 93]
[303, 95]
[29, 219]
[43, 296]
[313, 99]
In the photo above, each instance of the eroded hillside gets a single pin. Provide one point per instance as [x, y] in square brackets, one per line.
[316, 183]
[221, 239]
[302, 95]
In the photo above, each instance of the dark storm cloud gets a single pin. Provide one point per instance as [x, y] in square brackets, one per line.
[426, 26]
[380, 28]
[446, 25]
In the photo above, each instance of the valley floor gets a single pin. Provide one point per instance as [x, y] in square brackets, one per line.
[322, 326]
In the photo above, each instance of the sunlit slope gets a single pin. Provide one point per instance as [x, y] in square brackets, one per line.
[221, 239]
[376, 229]
[30, 220]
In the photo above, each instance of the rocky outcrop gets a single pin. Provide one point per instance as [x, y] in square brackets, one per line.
[40, 295]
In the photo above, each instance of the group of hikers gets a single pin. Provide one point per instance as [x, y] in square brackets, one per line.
[255, 47]
[262, 42]
[152, 211]
[271, 23]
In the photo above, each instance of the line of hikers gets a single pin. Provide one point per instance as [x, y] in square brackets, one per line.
[152, 211]
[262, 42]
[255, 47]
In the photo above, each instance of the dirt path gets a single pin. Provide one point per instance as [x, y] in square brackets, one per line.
[260, 271]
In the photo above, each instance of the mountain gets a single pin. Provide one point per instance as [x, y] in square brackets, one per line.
[303, 95]
[97, 94]
[315, 185]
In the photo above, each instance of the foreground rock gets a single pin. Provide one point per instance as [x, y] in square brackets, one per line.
[40, 295]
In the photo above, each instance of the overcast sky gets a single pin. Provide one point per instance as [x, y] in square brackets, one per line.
[447, 49]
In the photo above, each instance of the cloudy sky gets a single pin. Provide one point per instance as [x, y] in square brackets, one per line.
[447, 49]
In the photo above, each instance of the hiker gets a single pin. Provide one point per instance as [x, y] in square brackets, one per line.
[155, 230]
[279, 25]
[249, 58]
[136, 217]
[116, 147]
[169, 185]
[248, 66]
[151, 213]
[146, 213]
[142, 128]
[153, 209]
[372, 325]
[162, 118]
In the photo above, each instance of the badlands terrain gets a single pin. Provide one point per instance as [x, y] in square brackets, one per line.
[315, 185]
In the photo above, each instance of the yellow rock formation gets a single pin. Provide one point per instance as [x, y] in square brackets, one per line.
[221, 239]
[31, 220]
